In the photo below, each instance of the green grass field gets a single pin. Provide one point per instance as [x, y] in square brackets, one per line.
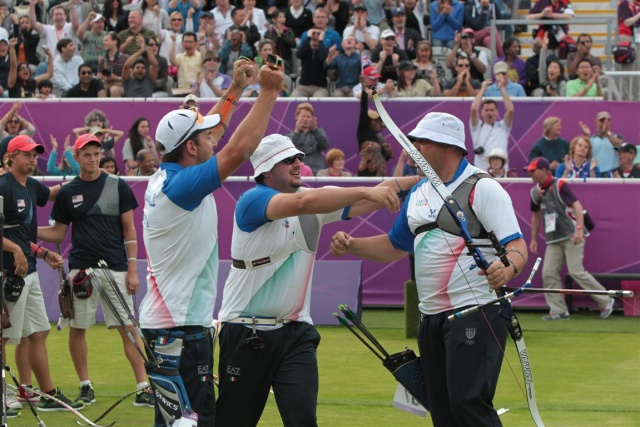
[586, 373]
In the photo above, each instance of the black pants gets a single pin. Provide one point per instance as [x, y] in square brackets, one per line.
[461, 363]
[196, 370]
[288, 363]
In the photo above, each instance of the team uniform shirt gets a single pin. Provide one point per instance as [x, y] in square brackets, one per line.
[280, 289]
[489, 137]
[20, 216]
[180, 229]
[95, 209]
[442, 265]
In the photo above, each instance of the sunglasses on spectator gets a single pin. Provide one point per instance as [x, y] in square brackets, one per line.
[14, 121]
[176, 19]
[465, 36]
[86, 73]
[389, 38]
[464, 65]
[291, 160]
[23, 67]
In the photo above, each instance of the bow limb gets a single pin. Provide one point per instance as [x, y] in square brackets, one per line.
[459, 217]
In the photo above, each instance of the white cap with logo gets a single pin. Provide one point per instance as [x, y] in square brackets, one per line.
[272, 149]
[440, 127]
[176, 126]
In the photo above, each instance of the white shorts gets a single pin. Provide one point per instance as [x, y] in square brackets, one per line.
[84, 310]
[28, 315]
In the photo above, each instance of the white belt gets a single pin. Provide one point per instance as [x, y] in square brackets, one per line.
[265, 321]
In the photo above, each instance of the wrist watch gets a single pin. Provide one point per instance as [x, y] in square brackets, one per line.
[473, 56]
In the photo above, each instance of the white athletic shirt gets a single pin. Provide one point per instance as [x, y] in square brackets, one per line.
[281, 289]
[441, 258]
[180, 229]
[489, 137]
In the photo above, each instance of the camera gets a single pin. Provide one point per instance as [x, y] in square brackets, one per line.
[479, 150]
[107, 72]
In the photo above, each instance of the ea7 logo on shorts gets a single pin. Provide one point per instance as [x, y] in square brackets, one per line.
[470, 333]
[233, 370]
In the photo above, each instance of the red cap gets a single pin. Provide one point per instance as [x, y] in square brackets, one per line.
[371, 72]
[24, 143]
[538, 163]
[84, 139]
[468, 31]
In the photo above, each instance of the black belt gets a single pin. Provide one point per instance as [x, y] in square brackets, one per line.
[241, 264]
[188, 335]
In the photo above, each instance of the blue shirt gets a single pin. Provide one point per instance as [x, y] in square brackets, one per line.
[331, 37]
[348, 69]
[513, 90]
[444, 27]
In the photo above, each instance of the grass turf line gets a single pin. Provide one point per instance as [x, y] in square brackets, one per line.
[586, 373]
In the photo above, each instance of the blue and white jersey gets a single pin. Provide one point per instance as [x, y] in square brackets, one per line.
[180, 229]
[280, 289]
[443, 278]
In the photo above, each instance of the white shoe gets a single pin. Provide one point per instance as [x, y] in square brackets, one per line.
[12, 400]
[608, 309]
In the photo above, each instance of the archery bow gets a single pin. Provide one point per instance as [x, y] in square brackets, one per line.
[451, 204]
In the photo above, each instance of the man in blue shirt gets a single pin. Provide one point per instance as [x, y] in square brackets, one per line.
[513, 89]
[329, 37]
[347, 66]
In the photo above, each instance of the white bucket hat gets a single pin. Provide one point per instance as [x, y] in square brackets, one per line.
[177, 125]
[272, 149]
[498, 152]
[440, 127]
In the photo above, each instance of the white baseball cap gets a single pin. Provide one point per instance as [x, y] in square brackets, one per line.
[97, 18]
[440, 127]
[272, 149]
[176, 126]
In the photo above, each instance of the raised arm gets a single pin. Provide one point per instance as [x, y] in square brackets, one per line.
[251, 130]
[13, 63]
[508, 106]
[32, 17]
[474, 116]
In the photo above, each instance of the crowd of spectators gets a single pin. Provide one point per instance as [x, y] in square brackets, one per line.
[319, 43]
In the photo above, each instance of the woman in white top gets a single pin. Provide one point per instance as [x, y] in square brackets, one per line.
[154, 18]
[256, 16]
[175, 27]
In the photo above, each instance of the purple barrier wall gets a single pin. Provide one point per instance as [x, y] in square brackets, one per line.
[329, 289]
[614, 246]
[339, 119]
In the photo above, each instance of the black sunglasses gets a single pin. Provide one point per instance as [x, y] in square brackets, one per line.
[291, 160]
[86, 73]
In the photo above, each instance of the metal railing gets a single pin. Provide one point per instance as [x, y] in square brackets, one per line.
[626, 87]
